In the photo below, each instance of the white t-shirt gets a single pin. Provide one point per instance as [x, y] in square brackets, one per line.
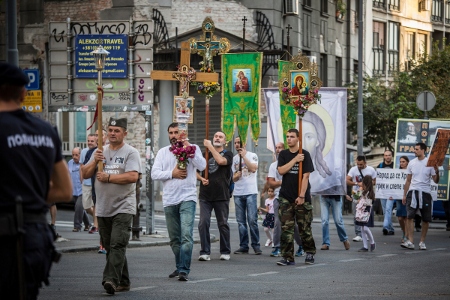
[269, 203]
[356, 175]
[247, 184]
[273, 173]
[421, 175]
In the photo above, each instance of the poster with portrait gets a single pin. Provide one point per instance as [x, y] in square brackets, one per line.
[183, 109]
[299, 83]
[324, 130]
[412, 131]
[242, 80]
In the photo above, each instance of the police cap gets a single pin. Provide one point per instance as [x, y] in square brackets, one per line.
[12, 75]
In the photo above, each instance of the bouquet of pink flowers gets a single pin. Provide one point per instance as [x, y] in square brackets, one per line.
[182, 153]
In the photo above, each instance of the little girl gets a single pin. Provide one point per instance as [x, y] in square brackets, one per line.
[365, 204]
[270, 217]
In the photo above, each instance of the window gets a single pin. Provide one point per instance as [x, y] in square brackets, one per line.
[307, 2]
[378, 47]
[324, 34]
[323, 69]
[447, 12]
[338, 74]
[410, 49]
[394, 4]
[436, 11]
[379, 4]
[422, 44]
[393, 46]
[324, 6]
[306, 30]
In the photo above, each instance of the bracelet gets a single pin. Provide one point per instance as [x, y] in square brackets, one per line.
[109, 175]
[301, 197]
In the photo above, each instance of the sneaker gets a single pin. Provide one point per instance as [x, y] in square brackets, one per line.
[204, 257]
[410, 245]
[285, 262]
[309, 260]
[422, 246]
[93, 230]
[391, 233]
[257, 251]
[405, 243]
[102, 250]
[363, 250]
[325, 247]
[346, 245]
[173, 274]
[241, 251]
[182, 276]
[225, 257]
[268, 243]
[357, 239]
[123, 288]
[276, 252]
[300, 252]
[109, 287]
[373, 246]
[385, 231]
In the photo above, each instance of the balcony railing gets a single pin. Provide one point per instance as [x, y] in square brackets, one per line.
[379, 4]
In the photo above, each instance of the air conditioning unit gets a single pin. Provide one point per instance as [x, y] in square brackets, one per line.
[424, 5]
[291, 7]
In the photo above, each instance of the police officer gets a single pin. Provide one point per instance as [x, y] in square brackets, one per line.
[33, 173]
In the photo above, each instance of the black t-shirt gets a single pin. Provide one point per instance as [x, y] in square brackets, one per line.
[29, 148]
[385, 165]
[289, 183]
[219, 179]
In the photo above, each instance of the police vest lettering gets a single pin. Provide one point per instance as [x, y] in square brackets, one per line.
[18, 140]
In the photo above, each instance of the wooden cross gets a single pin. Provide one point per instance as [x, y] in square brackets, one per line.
[184, 65]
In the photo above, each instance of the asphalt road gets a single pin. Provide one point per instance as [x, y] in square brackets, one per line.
[390, 272]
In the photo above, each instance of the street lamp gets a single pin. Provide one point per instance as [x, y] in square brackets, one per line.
[100, 57]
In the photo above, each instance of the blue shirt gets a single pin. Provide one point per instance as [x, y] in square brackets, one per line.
[74, 170]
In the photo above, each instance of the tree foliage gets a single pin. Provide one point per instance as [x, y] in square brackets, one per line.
[384, 103]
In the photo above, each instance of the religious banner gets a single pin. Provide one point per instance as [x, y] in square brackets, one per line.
[412, 131]
[439, 148]
[241, 80]
[323, 136]
[288, 117]
[390, 184]
[183, 109]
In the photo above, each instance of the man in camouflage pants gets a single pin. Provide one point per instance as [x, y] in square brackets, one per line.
[295, 206]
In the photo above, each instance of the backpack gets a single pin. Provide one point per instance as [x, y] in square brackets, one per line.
[230, 182]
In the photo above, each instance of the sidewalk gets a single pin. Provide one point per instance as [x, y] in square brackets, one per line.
[83, 241]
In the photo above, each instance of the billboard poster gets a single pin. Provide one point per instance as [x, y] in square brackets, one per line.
[412, 131]
[115, 62]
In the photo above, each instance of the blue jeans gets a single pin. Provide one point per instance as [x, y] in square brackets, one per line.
[246, 211]
[387, 205]
[327, 202]
[180, 225]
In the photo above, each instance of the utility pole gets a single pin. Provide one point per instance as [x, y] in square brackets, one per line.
[12, 54]
[360, 121]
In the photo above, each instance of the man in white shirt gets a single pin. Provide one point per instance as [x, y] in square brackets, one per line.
[354, 179]
[417, 194]
[179, 199]
[245, 167]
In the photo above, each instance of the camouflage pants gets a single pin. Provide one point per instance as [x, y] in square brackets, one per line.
[289, 213]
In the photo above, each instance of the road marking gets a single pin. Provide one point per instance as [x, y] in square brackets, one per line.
[438, 249]
[412, 252]
[387, 255]
[350, 260]
[204, 280]
[310, 266]
[142, 288]
[266, 273]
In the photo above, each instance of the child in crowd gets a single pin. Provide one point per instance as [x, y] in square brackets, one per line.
[270, 217]
[364, 208]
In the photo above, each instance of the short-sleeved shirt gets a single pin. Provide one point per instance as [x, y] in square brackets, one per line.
[29, 149]
[113, 199]
[421, 175]
[273, 173]
[247, 184]
[74, 171]
[289, 185]
[355, 174]
[385, 165]
[219, 179]
[269, 203]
